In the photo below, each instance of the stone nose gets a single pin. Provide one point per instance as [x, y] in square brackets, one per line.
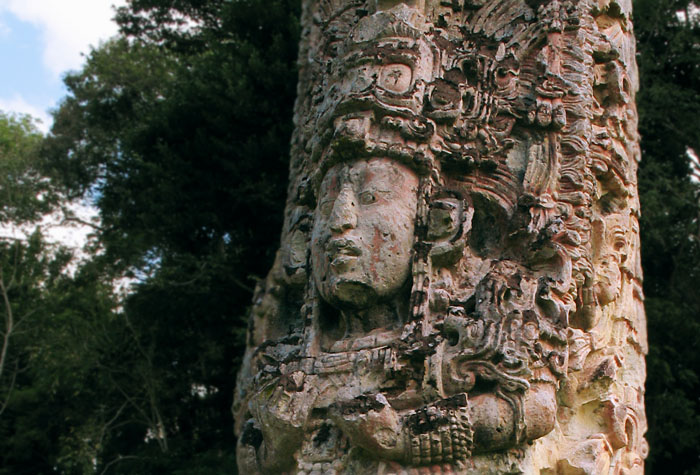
[344, 214]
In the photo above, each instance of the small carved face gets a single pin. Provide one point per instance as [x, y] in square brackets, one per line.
[608, 279]
[363, 231]
[611, 258]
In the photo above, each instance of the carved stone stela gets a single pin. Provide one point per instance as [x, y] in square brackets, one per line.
[458, 288]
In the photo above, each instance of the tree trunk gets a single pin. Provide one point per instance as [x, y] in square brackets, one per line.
[458, 288]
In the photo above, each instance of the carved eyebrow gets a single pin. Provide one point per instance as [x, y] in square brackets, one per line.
[374, 189]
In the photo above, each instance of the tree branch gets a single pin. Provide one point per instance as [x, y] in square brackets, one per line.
[9, 391]
[68, 217]
[9, 324]
[161, 435]
[120, 458]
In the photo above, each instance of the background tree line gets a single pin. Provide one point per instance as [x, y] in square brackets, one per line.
[178, 130]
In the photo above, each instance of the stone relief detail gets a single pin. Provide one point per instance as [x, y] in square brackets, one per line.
[458, 287]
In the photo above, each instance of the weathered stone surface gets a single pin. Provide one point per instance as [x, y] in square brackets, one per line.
[458, 286]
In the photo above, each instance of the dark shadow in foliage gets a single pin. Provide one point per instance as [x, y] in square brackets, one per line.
[668, 101]
[183, 138]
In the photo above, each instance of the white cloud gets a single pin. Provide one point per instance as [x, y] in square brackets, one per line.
[4, 29]
[69, 27]
[74, 234]
[17, 104]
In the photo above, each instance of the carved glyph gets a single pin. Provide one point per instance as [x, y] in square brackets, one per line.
[458, 287]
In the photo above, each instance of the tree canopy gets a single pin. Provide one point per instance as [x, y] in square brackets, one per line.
[178, 130]
[668, 36]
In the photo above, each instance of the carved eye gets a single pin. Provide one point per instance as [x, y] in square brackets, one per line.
[367, 198]
[620, 244]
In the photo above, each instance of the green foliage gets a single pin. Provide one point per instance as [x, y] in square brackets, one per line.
[24, 195]
[121, 81]
[58, 350]
[668, 101]
[48, 342]
[182, 136]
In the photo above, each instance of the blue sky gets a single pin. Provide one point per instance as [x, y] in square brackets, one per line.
[39, 41]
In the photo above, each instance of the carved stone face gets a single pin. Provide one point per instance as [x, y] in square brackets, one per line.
[363, 231]
[613, 253]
